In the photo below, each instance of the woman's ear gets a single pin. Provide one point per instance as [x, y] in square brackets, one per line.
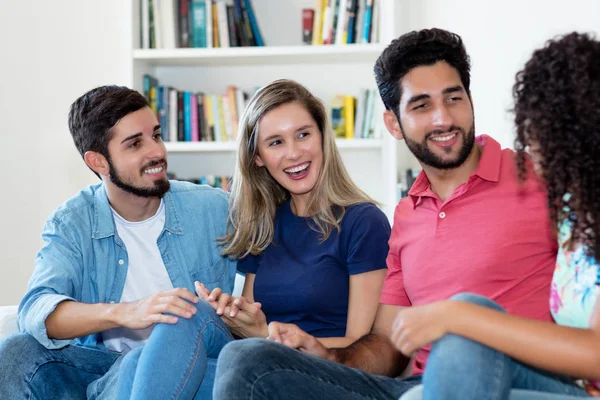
[258, 161]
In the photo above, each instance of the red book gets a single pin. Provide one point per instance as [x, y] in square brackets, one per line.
[308, 15]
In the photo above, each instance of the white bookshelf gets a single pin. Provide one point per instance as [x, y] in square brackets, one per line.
[325, 70]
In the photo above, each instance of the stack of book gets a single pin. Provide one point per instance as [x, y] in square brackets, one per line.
[352, 118]
[169, 24]
[221, 182]
[192, 117]
[341, 22]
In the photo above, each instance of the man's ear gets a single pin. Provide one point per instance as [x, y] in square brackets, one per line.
[258, 161]
[97, 162]
[392, 124]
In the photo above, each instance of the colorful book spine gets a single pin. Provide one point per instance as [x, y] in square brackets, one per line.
[308, 16]
[198, 23]
[172, 115]
[194, 118]
[367, 19]
[349, 117]
[187, 117]
[254, 24]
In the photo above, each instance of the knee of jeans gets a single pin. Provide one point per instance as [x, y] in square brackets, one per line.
[18, 351]
[246, 355]
[130, 360]
[477, 299]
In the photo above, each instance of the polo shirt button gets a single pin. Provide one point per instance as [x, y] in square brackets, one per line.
[121, 262]
[442, 215]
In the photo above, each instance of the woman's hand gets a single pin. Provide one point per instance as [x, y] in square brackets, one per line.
[245, 319]
[215, 298]
[292, 336]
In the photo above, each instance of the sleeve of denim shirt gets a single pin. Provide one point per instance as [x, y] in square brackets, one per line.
[57, 277]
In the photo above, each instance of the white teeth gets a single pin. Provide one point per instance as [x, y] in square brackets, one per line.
[153, 170]
[298, 168]
[443, 138]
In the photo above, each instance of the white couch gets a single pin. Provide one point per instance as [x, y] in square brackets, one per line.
[8, 321]
[8, 314]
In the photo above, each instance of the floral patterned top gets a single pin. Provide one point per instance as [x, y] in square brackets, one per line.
[574, 287]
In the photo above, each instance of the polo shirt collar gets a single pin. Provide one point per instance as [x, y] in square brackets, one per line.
[488, 169]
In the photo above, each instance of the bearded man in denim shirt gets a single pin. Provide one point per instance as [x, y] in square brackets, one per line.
[119, 263]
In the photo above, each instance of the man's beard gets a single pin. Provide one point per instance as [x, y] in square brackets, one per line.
[427, 157]
[161, 186]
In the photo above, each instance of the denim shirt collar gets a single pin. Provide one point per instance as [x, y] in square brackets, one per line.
[104, 224]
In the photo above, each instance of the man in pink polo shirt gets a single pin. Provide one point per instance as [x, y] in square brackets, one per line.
[466, 226]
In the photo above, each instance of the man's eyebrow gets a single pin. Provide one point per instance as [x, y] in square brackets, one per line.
[135, 135]
[453, 89]
[418, 97]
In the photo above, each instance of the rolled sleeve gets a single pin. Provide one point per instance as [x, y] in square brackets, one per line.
[32, 318]
[56, 278]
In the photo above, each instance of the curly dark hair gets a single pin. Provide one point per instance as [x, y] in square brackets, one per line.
[557, 107]
[93, 115]
[415, 49]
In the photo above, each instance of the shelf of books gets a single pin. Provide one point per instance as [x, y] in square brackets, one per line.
[215, 147]
[199, 62]
[334, 54]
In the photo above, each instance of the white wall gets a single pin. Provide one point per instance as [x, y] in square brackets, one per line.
[51, 53]
[499, 36]
[54, 51]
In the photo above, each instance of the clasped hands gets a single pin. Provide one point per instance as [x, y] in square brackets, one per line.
[246, 319]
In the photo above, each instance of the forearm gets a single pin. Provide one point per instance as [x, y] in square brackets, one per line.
[373, 353]
[336, 342]
[72, 319]
[560, 349]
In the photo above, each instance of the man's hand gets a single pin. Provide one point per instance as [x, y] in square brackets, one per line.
[245, 319]
[419, 326]
[152, 309]
[294, 337]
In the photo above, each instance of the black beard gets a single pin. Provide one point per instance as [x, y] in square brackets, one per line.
[425, 156]
[161, 186]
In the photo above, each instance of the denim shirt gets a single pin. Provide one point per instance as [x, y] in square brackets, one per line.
[83, 258]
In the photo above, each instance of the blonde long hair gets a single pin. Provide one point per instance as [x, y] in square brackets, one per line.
[255, 194]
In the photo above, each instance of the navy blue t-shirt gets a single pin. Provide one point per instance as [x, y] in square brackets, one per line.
[302, 281]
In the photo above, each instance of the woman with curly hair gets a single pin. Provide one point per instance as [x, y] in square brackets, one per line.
[483, 353]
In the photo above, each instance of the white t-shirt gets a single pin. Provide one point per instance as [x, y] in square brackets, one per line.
[146, 274]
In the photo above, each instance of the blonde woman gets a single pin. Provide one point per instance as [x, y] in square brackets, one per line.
[312, 245]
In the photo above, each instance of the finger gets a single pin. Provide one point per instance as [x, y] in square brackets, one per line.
[169, 308]
[274, 332]
[224, 300]
[214, 295]
[201, 290]
[233, 308]
[162, 319]
[178, 302]
[244, 305]
[184, 293]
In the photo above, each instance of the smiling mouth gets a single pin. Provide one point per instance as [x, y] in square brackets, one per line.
[297, 169]
[444, 138]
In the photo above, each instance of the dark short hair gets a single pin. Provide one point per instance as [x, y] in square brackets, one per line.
[93, 115]
[415, 49]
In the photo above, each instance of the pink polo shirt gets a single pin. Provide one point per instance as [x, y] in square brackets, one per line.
[492, 237]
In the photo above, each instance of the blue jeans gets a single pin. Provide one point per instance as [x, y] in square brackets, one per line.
[459, 368]
[260, 369]
[178, 361]
[30, 371]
